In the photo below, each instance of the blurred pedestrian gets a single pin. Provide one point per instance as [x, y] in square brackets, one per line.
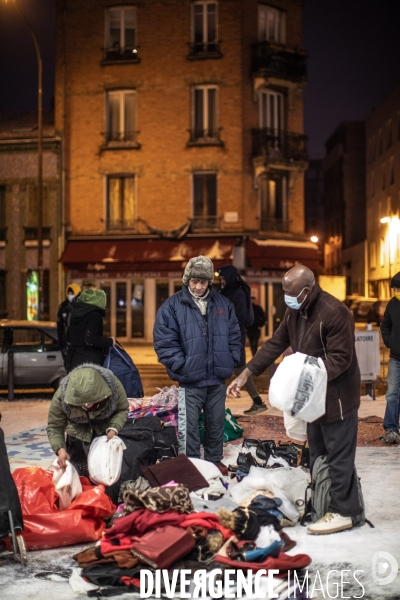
[254, 331]
[390, 329]
[235, 289]
[64, 316]
[85, 333]
[197, 339]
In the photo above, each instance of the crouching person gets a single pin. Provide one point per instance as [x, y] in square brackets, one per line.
[89, 402]
[197, 339]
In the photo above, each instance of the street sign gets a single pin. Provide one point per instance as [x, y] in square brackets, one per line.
[368, 354]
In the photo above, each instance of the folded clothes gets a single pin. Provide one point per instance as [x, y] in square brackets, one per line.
[141, 521]
[180, 469]
[159, 499]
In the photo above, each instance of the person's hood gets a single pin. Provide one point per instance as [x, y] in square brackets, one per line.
[86, 386]
[94, 297]
[80, 310]
[230, 273]
[74, 287]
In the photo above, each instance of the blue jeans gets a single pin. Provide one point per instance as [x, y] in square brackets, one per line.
[391, 419]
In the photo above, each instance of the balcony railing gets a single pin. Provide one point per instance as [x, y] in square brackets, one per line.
[207, 223]
[118, 54]
[277, 62]
[268, 224]
[279, 145]
[204, 50]
[205, 137]
[120, 225]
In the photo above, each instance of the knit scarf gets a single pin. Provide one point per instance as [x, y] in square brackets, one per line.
[201, 301]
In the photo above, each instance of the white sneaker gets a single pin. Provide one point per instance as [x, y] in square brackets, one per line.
[330, 523]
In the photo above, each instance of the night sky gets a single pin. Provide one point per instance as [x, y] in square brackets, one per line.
[353, 46]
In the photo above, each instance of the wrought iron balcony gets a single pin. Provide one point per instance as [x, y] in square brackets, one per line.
[116, 54]
[207, 223]
[278, 62]
[279, 145]
[204, 50]
[120, 225]
[268, 224]
[205, 137]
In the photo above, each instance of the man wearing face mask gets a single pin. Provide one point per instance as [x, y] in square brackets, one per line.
[317, 324]
[197, 338]
[64, 316]
[390, 330]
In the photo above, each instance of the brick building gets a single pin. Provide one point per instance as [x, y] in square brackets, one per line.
[344, 205]
[182, 128]
[18, 216]
[383, 193]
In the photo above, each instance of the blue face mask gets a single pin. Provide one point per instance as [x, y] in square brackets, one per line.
[292, 302]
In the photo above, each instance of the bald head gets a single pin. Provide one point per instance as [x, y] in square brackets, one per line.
[298, 280]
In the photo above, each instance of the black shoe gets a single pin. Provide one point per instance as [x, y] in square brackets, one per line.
[255, 408]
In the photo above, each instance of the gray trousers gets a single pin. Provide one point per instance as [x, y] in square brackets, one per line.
[249, 386]
[191, 402]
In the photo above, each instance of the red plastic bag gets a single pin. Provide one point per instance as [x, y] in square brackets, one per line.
[45, 526]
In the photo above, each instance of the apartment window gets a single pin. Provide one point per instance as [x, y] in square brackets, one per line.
[205, 199]
[120, 202]
[205, 114]
[273, 201]
[3, 222]
[271, 24]
[271, 110]
[389, 137]
[121, 116]
[204, 29]
[121, 34]
[391, 170]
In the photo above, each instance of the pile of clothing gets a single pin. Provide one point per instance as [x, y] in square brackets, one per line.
[163, 405]
[176, 516]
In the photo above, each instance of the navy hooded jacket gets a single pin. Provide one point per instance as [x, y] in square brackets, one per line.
[197, 350]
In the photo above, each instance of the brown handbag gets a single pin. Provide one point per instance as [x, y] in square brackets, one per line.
[164, 546]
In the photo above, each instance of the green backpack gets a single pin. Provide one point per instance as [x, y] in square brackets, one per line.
[232, 429]
[321, 493]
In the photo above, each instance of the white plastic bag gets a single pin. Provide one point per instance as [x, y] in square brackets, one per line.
[296, 428]
[67, 483]
[105, 460]
[299, 387]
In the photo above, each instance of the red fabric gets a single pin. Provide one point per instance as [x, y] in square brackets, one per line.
[283, 563]
[45, 526]
[131, 581]
[207, 520]
[142, 520]
[125, 543]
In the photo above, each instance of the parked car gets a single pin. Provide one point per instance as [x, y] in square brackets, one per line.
[360, 308]
[376, 312]
[38, 360]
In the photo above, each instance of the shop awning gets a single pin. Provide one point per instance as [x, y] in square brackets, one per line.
[281, 254]
[151, 255]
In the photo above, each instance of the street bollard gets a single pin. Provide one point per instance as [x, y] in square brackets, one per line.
[10, 374]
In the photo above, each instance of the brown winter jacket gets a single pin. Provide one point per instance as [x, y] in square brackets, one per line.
[325, 328]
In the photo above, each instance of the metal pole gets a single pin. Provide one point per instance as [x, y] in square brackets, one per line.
[40, 163]
[10, 376]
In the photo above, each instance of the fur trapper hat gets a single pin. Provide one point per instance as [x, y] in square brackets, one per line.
[199, 267]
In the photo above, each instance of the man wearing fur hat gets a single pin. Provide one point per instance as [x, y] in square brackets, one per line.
[85, 333]
[197, 339]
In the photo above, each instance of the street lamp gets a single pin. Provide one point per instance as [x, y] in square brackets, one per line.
[40, 161]
[393, 231]
[314, 239]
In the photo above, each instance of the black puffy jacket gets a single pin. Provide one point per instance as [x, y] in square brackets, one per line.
[390, 328]
[85, 334]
